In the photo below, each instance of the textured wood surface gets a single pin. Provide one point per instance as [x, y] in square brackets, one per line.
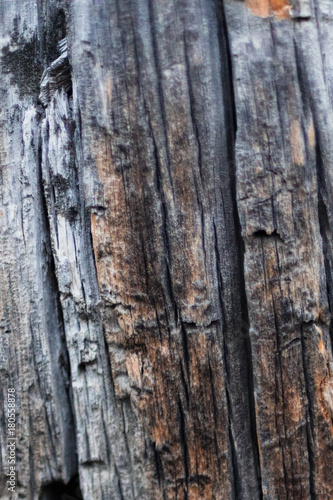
[166, 278]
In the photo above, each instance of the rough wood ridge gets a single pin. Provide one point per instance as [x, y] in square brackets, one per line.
[166, 277]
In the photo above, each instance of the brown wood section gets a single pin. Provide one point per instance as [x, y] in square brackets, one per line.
[165, 240]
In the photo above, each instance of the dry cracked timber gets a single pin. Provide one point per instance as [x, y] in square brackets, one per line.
[166, 277]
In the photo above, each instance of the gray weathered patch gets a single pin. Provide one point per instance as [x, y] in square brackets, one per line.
[22, 61]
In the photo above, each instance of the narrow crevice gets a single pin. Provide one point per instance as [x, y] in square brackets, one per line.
[170, 291]
[228, 90]
[92, 246]
[279, 377]
[236, 484]
[192, 110]
[65, 366]
[145, 262]
[158, 465]
[237, 489]
[184, 383]
[128, 451]
[183, 443]
[324, 226]
[186, 353]
[309, 420]
[31, 466]
[164, 213]
[231, 130]
[158, 72]
[107, 445]
[120, 489]
[215, 411]
[219, 278]
[119, 407]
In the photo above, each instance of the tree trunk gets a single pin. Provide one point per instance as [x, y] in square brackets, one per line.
[166, 278]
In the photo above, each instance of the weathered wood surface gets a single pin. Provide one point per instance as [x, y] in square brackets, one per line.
[166, 247]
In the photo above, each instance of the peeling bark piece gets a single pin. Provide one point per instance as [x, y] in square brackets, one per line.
[56, 76]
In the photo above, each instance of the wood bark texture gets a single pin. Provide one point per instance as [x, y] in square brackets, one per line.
[166, 248]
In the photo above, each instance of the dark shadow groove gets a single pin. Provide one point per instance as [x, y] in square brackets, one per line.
[64, 361]
[58, 490]
[231, 130]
